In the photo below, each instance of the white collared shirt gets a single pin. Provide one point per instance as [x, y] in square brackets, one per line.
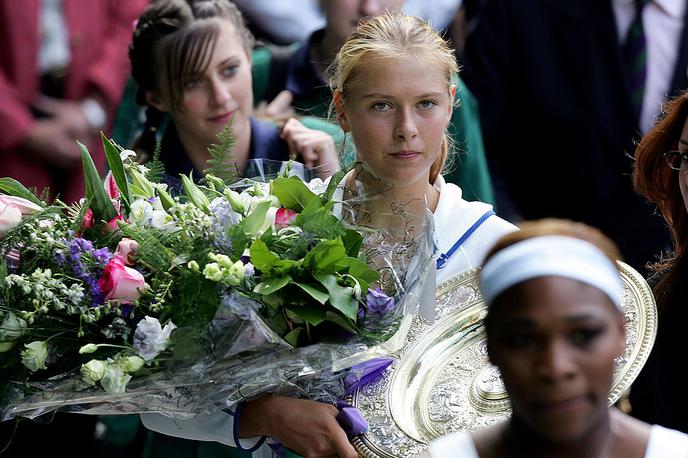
[663, 24]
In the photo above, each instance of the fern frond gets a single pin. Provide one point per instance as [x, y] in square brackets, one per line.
[222, 161]
[156, 169]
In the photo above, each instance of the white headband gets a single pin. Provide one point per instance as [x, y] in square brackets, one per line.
[550, 255]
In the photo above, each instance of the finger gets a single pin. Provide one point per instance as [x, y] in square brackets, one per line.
[281, 103]
[308, 156]
[342, 445]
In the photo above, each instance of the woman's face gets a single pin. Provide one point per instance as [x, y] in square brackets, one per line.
[397, 110]
[344, 15]
[683, 175]
[223, 92]
[555, 340]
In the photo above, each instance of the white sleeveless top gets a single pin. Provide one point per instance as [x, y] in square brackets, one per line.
[663, 443]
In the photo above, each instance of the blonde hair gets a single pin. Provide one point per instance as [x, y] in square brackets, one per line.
[393, 35]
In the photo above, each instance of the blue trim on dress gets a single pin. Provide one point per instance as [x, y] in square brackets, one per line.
[444, 257]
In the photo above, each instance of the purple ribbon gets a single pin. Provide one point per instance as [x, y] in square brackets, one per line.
[351, 420]
[365, 372]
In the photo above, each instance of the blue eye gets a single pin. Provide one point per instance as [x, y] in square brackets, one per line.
[427, 104]
[381, 106]
[230, 70]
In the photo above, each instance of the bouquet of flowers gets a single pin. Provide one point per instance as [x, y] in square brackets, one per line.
[140, 299]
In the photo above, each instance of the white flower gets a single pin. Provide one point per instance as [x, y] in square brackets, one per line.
[131, 364]
[249, 270]
[212, 272]
[126, 153]
[35, 355]
[114, 379]
[93, 371]
[150, 339]
[141, 212]
[234, 275]
[88, 348]
[12, 327]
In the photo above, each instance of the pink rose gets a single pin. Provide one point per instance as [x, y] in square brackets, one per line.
[112, 225]
[120, 282]
[284, 218]
[126, 249]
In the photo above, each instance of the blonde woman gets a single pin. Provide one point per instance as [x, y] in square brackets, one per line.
[393, 92]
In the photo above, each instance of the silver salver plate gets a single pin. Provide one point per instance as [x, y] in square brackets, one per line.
[443, 382]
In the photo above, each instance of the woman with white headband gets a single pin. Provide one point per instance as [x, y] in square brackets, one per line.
[554, 330]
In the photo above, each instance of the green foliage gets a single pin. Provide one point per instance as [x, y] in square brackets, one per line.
[152, 252]
[99, 200]
[156, 169]
[195, 300]
[292, 193]
[222, 162]
[114, 161]
[14, 188]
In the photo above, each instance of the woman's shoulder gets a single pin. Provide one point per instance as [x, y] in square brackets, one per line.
[453, 445]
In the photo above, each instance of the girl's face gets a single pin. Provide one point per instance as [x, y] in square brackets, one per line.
[344, 15]
[397, 110]
[223, 92]
[683, 175]
[555, 340]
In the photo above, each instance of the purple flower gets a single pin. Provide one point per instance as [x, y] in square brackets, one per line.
[102, 256]
[363, 373]
[378, 302]
[59, 257]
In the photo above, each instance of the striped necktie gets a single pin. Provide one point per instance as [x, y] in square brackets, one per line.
[635, 57]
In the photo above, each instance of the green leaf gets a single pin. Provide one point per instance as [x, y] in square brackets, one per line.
[316, 293]
[14, 188]
[341, 297]
[165, 199]
[117, 168]
[332, 186]
[309, 314]
[271, 285]
[140, 186]
[95, 192]
[262, 258]
[324, 256]
[353, 241]
[256, 221]
[292, 337]
[292, 193]
[341, 321]
[195, 194]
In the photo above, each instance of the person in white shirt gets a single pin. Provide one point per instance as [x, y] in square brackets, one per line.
[554, 331]
[393, 91]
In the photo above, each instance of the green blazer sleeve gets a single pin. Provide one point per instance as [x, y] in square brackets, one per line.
[468, 165]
